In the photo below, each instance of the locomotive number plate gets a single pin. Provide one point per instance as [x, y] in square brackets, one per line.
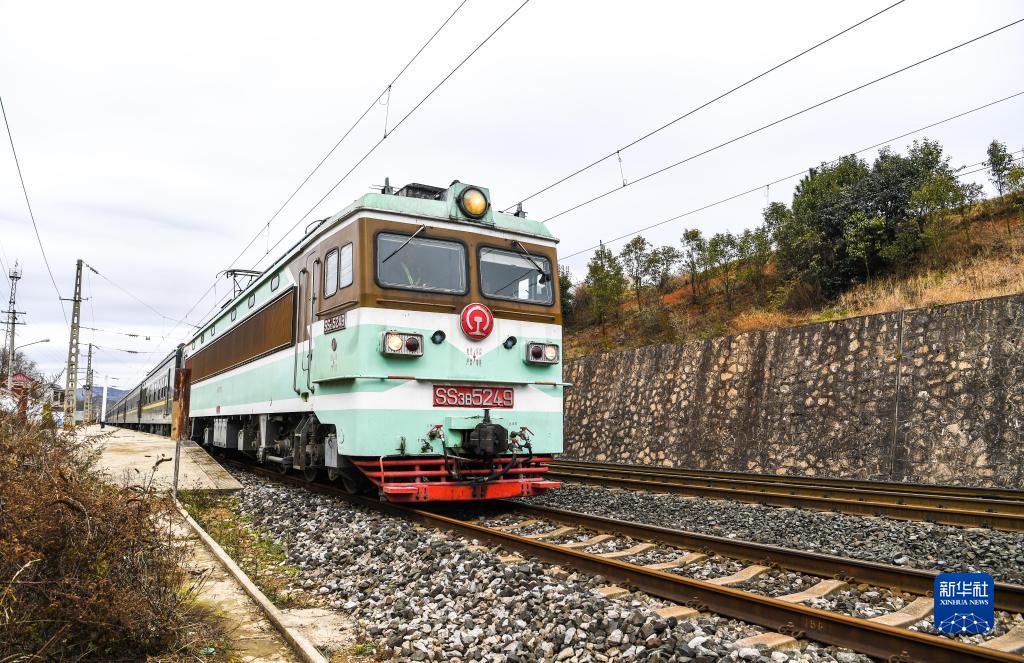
[337, 323]
[463, 396]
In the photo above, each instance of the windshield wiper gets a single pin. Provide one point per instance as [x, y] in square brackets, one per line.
[544, 276]
[406, 243]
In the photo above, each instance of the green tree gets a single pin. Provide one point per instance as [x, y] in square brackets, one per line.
[775, 216]
[694, 258]
[1015, 185]
[863, 237]
[606, 284]
[754, 249]
[565, 291]
[637, 264]
[723, 254]
[1000, 164]
[810, 236]
[663, 263]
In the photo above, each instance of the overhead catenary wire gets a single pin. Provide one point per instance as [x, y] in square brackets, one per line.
[119, 333]
[723, 95]
[397, 126]
[367, 155]
[721, 201]
[370, 107]
[31, 214]
[798, 173]
[130, 294]
[780, 121]
[266, 226]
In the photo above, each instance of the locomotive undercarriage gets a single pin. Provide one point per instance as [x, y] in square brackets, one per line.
[485, 462]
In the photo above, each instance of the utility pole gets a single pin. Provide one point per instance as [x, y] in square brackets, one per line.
[103, 405]
[87, 395]
[72, 376]
[12, 322]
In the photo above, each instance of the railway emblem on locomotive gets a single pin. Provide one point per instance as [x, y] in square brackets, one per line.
[477, 321]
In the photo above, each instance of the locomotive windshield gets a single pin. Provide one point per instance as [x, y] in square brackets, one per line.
[421, 264]
[508, 275]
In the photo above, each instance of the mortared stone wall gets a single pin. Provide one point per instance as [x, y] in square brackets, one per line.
[932, 395]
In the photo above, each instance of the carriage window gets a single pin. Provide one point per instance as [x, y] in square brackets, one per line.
[345, 270]
[422, 264]
[513, 276]
[234, 314]
[252, 300]
[331, 273]
[274, 282]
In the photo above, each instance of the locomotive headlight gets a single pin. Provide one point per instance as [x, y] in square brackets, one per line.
[473, 202]
[393, 342]
[400, 344]
[541, 353]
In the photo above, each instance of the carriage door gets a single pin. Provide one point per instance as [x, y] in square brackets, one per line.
[304, 325]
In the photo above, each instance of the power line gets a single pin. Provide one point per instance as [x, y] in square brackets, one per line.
[368, 153]
[130, 352]
[119, 333]
[779, 121]
[701, 107]
[324, 159]
[130, 294]
[31, 214]
[373, 103]
[798, 173]
[395, 128]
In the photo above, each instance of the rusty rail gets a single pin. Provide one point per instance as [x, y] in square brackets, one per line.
[860, 635]
[1008, 596]
[945, 505]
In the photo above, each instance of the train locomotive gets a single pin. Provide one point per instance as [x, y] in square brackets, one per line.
[408, 345]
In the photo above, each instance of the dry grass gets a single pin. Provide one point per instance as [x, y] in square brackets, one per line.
[88, 570]
[996, 268]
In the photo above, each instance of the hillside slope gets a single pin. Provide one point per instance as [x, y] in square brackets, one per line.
[983, 258]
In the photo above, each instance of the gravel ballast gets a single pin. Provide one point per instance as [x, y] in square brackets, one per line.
[909, 543]
[420, 594]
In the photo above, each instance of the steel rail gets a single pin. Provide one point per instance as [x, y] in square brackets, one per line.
[1008, 596]
[945, 490]
[800, 621]
[858, 502]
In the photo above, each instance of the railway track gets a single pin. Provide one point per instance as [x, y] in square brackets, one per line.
[996, 508]
[877, 638]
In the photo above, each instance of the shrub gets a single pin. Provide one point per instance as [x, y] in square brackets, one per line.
[88, 569]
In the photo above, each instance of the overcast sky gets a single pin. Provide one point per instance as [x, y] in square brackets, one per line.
[157, 139]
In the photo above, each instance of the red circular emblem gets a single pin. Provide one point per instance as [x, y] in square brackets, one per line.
[477, 321]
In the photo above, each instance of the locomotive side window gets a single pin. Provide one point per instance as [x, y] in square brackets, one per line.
[252, 300]
[331, 273]
[274, 282]
[345, 269]
[516, 277]
[430, 265]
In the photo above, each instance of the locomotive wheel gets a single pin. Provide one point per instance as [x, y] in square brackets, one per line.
[282, 468]
[352, 481]
[333, 474]
[310, 473]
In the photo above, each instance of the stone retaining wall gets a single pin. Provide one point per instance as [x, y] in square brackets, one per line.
[926, 395]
